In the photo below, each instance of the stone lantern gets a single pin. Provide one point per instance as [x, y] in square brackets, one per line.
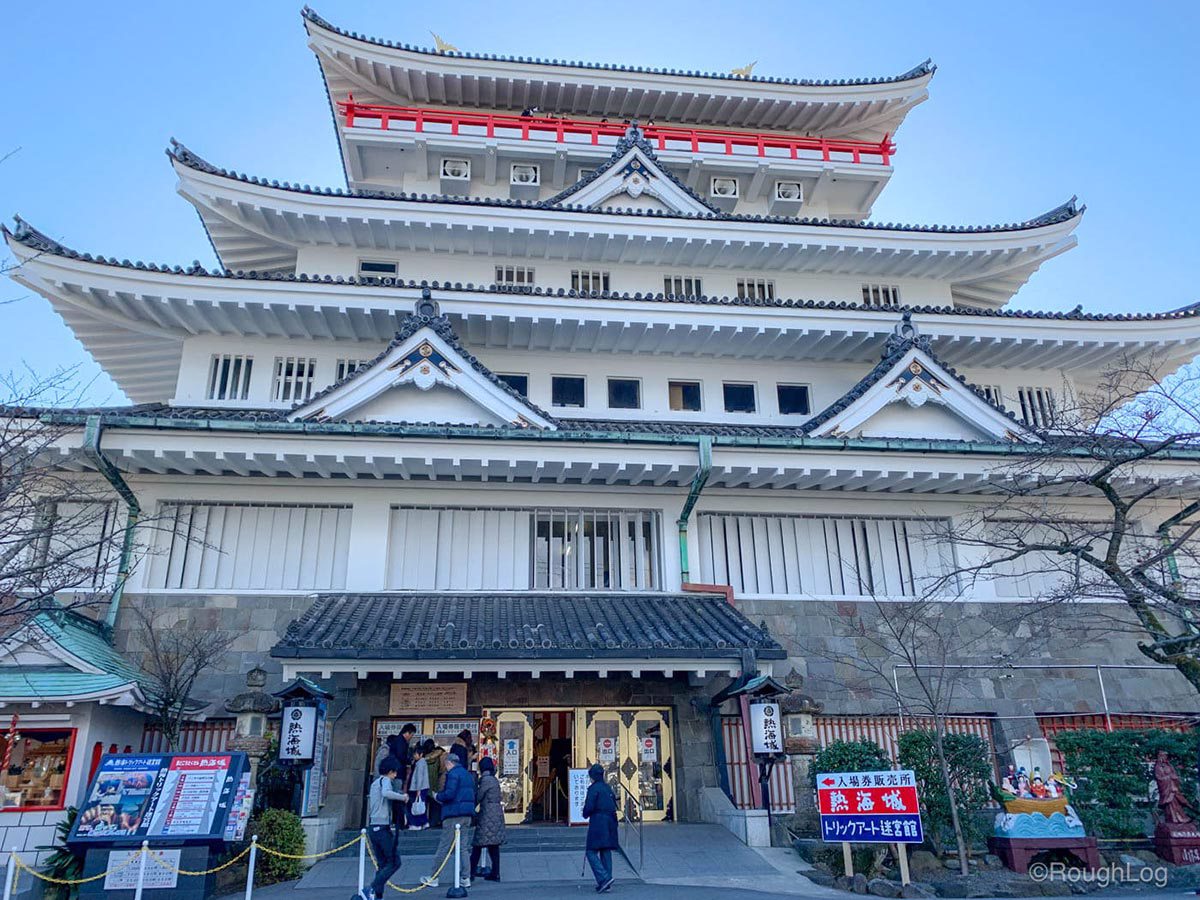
[252, 708]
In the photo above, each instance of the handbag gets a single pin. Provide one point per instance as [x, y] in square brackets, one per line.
[418, 806]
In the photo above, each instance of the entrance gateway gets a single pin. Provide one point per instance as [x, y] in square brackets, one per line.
[535, 748]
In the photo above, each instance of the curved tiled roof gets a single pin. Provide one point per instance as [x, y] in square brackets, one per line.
[31, 237]
[586, 625]
[918, 71]
[1061, 213]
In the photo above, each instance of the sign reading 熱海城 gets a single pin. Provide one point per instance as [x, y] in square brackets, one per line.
[298, 728]
[766, 728]
[869, 807]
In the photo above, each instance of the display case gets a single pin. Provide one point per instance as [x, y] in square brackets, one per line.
[38, 767]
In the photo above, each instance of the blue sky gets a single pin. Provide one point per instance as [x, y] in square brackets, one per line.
[1032, 102]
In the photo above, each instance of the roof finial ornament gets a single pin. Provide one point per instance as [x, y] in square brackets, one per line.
[633, 132]
[744, 71]
[906, 329]
[427, 306]
[443, 46]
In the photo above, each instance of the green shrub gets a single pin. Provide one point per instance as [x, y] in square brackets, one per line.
[970, 769]
[848, 756]
[1113, 772]
[62, 863]
[280, 830]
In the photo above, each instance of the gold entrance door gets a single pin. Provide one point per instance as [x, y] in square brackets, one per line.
[514, 767]
[648, 738]
[606, 744]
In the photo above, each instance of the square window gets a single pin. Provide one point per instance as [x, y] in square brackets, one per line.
[739, 397]
[519, 383]
[567, 390]
[793, 399]
[589, 280]
[624, 393]
[683, 285]
[684, 395]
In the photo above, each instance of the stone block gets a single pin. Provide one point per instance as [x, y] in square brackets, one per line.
[858, 884]
[881, 887]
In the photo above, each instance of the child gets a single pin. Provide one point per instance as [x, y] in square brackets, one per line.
[418, 792]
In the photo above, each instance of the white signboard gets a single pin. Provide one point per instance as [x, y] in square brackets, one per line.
[577, 787]
[299, 726]
[123, 876]
[766, 727]
[452, 727]
[649, 750]
[606, 748]
[511, 763]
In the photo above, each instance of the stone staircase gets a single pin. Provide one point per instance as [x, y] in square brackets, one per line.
[518, 839]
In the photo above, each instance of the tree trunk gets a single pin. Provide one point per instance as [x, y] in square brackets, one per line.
[944, 768]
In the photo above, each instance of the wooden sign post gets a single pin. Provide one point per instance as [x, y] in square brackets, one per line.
[902, 858]
[848, 859]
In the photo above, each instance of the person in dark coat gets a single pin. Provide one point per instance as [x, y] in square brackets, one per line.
[458, 808]
[489, 821]
[600, 809]
[398, 746]
[464, 748]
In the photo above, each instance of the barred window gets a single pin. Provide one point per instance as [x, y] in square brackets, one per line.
[880, 295]
[1037, 406]
[461, 548]
[229, 377]
[837, 556]
[993, 394]
[683, 285]
[347, 367]
[293, 379]
[514, 276]
[755, 289]
[589, 280]
[250, 546]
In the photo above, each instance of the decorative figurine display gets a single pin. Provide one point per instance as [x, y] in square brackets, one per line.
[1176, 837]
[1037, 817]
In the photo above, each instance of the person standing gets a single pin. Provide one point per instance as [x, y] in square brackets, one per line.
[464, 748]
[418, 791]
[489, 822]
[600, 809]
[398, 745]
[379, 827]
[458, 808]
[437, 779]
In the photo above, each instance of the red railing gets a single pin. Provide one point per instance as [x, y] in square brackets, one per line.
[663, 136]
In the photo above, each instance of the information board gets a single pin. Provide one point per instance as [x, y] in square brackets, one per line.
[869, 807]
[123, 875]
[577, 786]
[176, 796]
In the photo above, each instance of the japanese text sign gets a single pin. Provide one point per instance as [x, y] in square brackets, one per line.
[766, 727]
[869, 807]
[297, 739]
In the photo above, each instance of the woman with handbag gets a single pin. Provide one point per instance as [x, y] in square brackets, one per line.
[418, 792]
[489, 822]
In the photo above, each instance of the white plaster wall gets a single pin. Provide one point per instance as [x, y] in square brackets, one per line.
[625, 278]
[408, 403]
[931, 421]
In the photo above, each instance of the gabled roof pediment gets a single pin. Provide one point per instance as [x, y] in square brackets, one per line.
[634, 178]
[913, 394]
[424, 376]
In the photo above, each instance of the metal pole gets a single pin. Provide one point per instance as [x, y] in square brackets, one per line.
[137, 894]
[458, 890]
[10, 873]
[250, 870]
[362, 859]
[1104, 699]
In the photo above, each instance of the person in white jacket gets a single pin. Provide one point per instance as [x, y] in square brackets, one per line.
[418, 791]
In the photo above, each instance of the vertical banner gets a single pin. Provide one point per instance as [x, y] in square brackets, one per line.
[766, 728]
[299, 727]
[577, 786]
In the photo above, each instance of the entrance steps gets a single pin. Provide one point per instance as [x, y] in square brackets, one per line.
[518, 839]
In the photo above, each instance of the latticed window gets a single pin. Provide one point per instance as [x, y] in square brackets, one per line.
[823, 556]
[755, 289]
[250, 546]
[293, 379]
[514, 276]
[683, 285]
[229, 377]
[1037, 406]
[458, 548]
[880, 295]
[993, 394]
[589, 280]
[347, 367]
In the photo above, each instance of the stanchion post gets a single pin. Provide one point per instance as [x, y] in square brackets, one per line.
[137, 894]
[458, 890]
[10, 873]
[362, 859]
[250, 869]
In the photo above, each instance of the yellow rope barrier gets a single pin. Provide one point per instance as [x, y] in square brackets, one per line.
[437, 872]
[163, 864]
[321, 855]
[22, 865]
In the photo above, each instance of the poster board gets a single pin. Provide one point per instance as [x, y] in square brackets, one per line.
[428, 699]
[869, 807]
[578, 782]
[179, 797]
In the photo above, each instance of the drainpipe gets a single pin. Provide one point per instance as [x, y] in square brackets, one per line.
[91, 446]
[698, 482]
